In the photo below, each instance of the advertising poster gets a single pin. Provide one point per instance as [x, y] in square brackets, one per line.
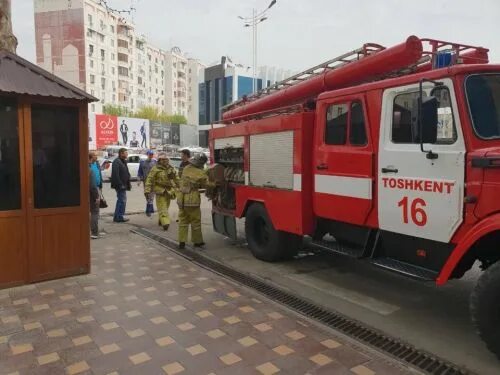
[166, 134]
[106, 130]
[133, 132]
[175, 134]
[156, 133]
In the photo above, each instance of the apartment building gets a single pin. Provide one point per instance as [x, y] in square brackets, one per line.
[104, 54]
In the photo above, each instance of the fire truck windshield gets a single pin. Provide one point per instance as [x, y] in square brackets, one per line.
[483, 95]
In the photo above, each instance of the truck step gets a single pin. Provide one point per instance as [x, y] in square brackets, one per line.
[339, 249]
[405, 268]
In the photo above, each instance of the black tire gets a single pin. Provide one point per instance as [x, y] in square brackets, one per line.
[485, 308]
[265, 242]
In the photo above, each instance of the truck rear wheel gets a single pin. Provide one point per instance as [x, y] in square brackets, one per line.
[265, 242]
[485, 308]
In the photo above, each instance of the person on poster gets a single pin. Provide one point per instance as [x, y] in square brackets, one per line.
[134, 142]
[143, 135]
[124, 131]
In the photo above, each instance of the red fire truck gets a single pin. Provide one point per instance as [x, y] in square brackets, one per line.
[389, 155]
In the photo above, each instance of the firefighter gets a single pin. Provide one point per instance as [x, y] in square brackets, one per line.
[189, 201]
[162, 181]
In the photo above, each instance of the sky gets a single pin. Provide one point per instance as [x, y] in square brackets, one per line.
[298, 34]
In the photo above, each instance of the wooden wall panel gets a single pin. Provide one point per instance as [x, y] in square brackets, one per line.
[59, 249]
[12, 251]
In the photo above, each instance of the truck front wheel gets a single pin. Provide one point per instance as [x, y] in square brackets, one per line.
[265, 242]
[485, 308]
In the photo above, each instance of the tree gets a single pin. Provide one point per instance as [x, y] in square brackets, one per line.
[153, 114]
[7, 39]
[116, 110]
[177, 119]
[148, 112]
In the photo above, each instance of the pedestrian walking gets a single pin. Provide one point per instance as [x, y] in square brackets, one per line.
[185, 157]
[145, 166]
[163, 182]
[94, 200]
[193, 179]
[120, 181]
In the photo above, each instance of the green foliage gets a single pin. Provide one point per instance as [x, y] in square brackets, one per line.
[146, 112]
[177, 119]
[116, 110]
[152, 114]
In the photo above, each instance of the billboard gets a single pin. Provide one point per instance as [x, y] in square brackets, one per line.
[133, 132]
[175, 134]
[156, 133]
[105, 130]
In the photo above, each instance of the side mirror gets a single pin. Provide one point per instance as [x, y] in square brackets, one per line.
[429, 120]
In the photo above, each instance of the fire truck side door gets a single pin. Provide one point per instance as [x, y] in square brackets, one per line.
[343, 161]
[420, 196]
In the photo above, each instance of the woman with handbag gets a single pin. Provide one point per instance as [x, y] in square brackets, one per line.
[97, 200]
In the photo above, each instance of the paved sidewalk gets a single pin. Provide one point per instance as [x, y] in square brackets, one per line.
[145, 310]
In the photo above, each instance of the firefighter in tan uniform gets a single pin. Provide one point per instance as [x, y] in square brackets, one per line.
[189, 200]
[163, 181]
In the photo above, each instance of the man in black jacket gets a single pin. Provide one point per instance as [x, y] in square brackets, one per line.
[120, 181]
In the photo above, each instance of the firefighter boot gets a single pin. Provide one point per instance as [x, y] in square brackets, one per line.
[183, 226]
[163, 204]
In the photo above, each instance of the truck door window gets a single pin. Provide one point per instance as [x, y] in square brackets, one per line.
[404, 117]
[336, 124]
[404, 126]
[357, 132]
[447, 133]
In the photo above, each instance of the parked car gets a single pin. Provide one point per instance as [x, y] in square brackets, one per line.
[175, 161]
[133, 167]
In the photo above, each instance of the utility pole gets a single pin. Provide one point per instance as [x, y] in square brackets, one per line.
[7, 39]
[253, 21]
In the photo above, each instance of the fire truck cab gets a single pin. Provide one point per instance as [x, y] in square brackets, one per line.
[389, 155]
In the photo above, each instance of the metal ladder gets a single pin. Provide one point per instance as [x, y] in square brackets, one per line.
[337, 62]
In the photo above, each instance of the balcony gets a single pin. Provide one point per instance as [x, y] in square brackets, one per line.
[123, 64]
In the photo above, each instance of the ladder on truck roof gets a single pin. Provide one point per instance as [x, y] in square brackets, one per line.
[429, 57]
[351, 56]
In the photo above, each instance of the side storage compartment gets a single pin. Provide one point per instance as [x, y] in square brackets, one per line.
[226, 173]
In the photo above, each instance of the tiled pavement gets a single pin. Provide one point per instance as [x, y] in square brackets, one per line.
[145, 310]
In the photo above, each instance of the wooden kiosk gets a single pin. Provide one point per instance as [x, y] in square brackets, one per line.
[44, 207]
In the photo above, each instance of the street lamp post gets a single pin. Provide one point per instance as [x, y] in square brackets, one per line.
[253, 21]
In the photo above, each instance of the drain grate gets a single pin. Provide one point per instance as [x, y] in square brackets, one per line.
[421, 360]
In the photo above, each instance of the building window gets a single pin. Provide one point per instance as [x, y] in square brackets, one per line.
[113, 70]
[103, 83]
[103, 54]
[101, 37]
[92, 64]
[112, 41]
[92, 79]
[91, 49]
[89, 17]
[113, 57]
[112, 28]
[122, 71]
